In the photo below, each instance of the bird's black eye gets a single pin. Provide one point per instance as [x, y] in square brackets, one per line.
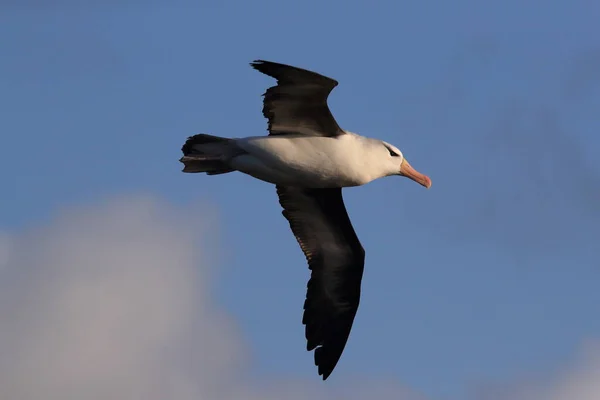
[392, 152]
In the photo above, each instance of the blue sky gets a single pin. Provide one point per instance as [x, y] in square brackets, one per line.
[489, 277]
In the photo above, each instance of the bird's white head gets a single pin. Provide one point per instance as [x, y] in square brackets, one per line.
[398, 165]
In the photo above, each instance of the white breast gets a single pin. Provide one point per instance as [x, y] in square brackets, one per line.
[308, 160]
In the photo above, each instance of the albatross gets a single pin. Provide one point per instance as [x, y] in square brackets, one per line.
[309, 158]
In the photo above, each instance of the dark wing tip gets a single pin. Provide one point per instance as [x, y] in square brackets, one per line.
[325, 360]
[266, 67]
[274, 70]
[289, 73]
[257, 63]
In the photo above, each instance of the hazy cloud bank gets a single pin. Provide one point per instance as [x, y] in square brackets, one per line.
[113, 302]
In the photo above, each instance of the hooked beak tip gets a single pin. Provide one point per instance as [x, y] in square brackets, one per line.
[427, 182]
[408, 171]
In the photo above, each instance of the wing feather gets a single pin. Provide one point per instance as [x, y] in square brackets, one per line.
[298, 103]
[320, 223]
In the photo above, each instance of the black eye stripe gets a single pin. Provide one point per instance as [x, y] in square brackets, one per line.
[392, 153]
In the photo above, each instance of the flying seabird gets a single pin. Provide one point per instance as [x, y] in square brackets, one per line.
[309, 158]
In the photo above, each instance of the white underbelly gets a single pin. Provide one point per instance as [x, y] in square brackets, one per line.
[316, 162]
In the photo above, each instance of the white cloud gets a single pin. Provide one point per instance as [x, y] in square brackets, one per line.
[114, 302]
[580, 380]
[4, 249]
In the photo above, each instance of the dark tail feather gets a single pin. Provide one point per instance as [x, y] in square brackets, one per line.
[191, 144]
[196, 160]
[196, 164]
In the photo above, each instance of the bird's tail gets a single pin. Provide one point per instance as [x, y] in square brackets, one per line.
[207, 153]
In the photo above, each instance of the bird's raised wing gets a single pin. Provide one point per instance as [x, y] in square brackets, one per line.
[319, 220]
[298, 103]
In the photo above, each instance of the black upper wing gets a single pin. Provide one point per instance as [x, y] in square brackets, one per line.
[319, 220]
[298, 103]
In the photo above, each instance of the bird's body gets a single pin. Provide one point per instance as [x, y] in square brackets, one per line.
[309, 159]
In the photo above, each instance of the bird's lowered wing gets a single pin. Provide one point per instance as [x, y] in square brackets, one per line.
[319, 220]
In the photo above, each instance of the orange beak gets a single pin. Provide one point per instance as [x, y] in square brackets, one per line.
[408, 171]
